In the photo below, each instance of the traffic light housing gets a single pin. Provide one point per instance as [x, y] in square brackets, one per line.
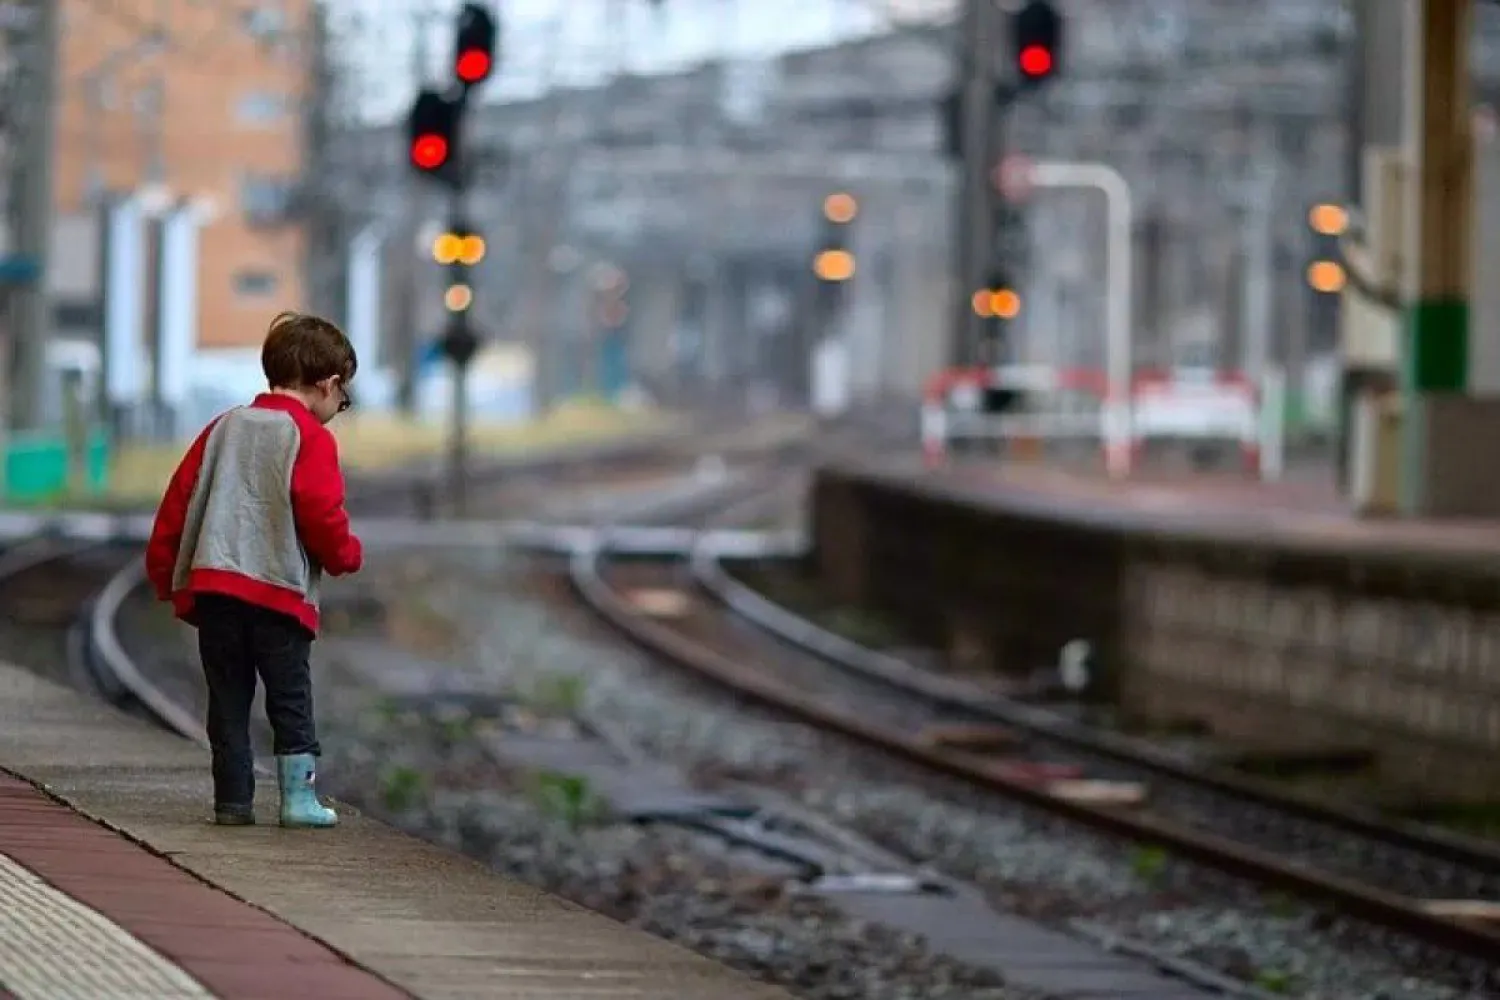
[432, 136]
[459, 343]
[434, 127]
[998, 304]
[1325, 268]
[1325, 274]
[834, 262]
[1036, 42]
[474, 47]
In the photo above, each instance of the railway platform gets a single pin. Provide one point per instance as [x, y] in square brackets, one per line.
[114, 886]
[1245, 609]
[1303, 511]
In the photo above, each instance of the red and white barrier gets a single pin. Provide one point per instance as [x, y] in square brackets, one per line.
[1173, 405]
[1221, 407]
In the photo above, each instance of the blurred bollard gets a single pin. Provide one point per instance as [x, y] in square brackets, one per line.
[75, 431]
[1375, 453]
[424, 501]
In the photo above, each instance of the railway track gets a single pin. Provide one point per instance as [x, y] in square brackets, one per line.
[826, 857]
[829, 859]
[1431, 886]
[60, 597]
[1415, 881]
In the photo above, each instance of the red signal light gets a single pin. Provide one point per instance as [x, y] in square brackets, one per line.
[1036, 61]
[473, 65]
[429, 151]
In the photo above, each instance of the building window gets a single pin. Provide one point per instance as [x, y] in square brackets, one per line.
[266, 201]
[253, 283]
[261, 107]
[265, 22]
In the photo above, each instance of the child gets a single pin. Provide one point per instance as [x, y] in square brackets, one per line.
[252, 519]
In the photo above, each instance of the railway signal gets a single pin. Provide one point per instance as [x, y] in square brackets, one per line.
[1325, 274]
[1325, 269]
[1036, 42]
[434, 148]
[474, 51]
[834, 261]
[432, 136]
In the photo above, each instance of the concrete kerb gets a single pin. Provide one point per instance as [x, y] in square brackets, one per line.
[1147, 528]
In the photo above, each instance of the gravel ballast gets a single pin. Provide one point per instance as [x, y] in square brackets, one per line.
[519, 634]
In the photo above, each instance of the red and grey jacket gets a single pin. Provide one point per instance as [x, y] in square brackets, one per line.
[255, 511]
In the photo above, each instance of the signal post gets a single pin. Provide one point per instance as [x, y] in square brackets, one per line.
[985, 226]
[435, 134]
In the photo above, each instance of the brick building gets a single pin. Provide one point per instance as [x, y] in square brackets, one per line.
[204, 98]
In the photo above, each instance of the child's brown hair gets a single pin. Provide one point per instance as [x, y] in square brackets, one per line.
[302, 350]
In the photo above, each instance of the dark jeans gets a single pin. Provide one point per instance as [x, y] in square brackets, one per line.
[237, 641]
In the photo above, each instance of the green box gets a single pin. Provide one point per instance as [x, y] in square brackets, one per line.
[36, 467]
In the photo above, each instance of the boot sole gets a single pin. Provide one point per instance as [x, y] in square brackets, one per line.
[297, 825]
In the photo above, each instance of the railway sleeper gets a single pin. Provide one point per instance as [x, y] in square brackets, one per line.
[659, 602]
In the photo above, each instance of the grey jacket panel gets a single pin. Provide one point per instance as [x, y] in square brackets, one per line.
[240, 518]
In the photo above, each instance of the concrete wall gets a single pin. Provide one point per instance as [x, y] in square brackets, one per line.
[1267, 639]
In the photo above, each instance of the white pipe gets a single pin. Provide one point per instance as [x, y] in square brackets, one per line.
[1258, 284]
[1118, 360]
[124, 315]
[1272, 424]
[362, 294]
[178, 303]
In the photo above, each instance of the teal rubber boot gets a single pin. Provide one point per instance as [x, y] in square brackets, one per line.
[300, 807]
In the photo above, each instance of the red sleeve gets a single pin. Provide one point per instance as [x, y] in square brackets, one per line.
[171, 513]
[318, 504]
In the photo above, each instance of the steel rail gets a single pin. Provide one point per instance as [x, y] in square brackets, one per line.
[1397, 912]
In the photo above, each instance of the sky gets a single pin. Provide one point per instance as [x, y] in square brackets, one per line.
[550, 42]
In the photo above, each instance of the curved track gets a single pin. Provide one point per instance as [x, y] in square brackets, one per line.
[1405, 878]
[61, 599]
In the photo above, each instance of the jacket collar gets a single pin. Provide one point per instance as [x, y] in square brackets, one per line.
[276, 401]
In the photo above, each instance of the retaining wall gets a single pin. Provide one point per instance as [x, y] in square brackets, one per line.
[1267, 639]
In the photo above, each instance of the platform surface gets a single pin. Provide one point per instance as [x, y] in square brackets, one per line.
[1304, 512]
[258, 913]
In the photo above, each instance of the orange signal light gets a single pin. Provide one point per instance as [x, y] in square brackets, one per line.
[840, 207]
[446, 248]
[457, 298]
[1005, 304]
[1326, 276]
[834, 265]
[470, 250]
[1328, 219]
